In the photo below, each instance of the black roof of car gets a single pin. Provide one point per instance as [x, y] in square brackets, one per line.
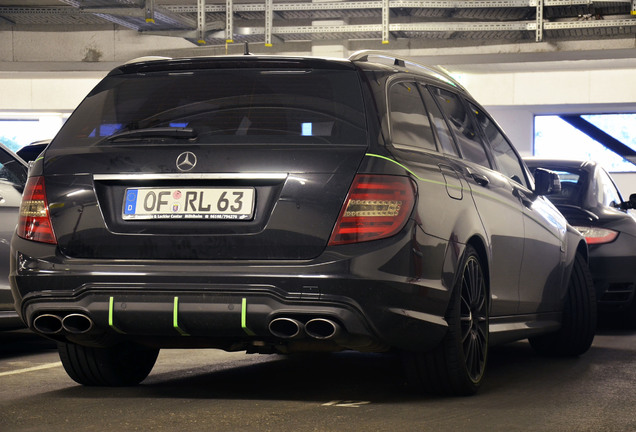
[359, 59]
[561, 164]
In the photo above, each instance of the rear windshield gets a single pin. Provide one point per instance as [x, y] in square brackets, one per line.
[572, 188]
[221, 106]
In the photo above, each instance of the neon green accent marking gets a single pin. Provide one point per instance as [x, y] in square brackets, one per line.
[413, 174]
[401, 166]
[41, 157]
[244, 318]
[175, 318]
[473, 191]
[111, 308]
[110, 311]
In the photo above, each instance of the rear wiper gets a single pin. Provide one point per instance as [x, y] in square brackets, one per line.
[156, 132]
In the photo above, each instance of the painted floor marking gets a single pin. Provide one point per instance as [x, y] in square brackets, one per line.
[346, 404]
[31, 369]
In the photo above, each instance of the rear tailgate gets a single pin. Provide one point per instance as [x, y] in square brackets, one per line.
[211, 158]
[293, 199]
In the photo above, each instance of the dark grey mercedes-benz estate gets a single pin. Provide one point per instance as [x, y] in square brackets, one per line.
[280, 204]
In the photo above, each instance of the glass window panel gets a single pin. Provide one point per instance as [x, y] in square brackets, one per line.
[507, 160]
[444, 135]
[462, 124]
[410, 124]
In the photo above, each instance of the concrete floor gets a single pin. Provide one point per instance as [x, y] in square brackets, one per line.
[210, 390]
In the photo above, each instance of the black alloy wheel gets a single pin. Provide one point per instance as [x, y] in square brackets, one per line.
[457, 365]
[473, 319]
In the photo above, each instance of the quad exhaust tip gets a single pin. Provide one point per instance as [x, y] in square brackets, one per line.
[77, 323]
[48, 324]
[286, 328]
[317, 328]
[74, 323]
[322, 328]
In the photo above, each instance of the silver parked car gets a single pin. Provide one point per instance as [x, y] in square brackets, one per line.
[13, 173]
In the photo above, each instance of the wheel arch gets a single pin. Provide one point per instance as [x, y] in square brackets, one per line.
[575, 244]
[583, 250]
[478, 244]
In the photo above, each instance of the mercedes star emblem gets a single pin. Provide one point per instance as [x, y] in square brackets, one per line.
[186, 161]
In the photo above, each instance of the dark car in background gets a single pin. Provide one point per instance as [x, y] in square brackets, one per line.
[591, 202]
[13, 174]
[283, 204]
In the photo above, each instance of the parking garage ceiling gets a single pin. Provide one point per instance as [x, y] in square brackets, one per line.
[268, 21]
[474, 35]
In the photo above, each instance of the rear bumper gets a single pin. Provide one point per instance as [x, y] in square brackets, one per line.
[613, 268]
[9, 320]
[231, 305]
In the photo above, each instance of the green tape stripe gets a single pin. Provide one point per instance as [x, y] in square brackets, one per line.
[415, 175]
[244, 318]
[111, 308]
[175, 318]
[402, 166]
[474, 191]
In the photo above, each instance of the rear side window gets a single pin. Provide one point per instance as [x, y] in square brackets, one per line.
[12, 179]
[507, 160]
[444, 135]
[608, 194]
[572, 188]
[11, 171]
[462, 125]
[410, 124]
[225, 106]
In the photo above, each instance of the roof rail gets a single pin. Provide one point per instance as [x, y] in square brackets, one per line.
[438, 72]
[147, 59]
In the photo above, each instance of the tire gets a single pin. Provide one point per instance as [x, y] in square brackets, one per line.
[456, 367]
[579, 317]
[118, 366]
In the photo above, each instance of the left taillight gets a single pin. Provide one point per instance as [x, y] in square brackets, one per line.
[34, 222]
[377, 207]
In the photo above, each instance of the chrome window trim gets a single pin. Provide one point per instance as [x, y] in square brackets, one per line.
[192, 176]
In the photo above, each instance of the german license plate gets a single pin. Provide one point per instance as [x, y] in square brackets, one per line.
[189, 203]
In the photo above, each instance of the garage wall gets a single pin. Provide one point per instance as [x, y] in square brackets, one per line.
[41, 91]
[515, 98]
[512, 98]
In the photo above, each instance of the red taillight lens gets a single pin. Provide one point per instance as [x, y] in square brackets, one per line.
[595, 235]
[34, 222]
[377, 207]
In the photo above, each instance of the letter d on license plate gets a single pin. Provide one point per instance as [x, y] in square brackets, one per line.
[189, 203]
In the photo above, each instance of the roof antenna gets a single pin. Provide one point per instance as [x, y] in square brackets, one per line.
[246, 49]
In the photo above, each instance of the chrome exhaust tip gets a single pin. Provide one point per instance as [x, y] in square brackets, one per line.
[322, 328]
[76, 323]
[47, 324]
[286, 328]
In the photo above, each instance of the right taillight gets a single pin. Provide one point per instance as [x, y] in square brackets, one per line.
[34, 222]
[377, 206]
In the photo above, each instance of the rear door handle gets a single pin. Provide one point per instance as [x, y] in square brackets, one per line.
[481, 179]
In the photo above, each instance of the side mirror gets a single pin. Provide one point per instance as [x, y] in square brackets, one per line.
[547, 182]
[631, 204]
